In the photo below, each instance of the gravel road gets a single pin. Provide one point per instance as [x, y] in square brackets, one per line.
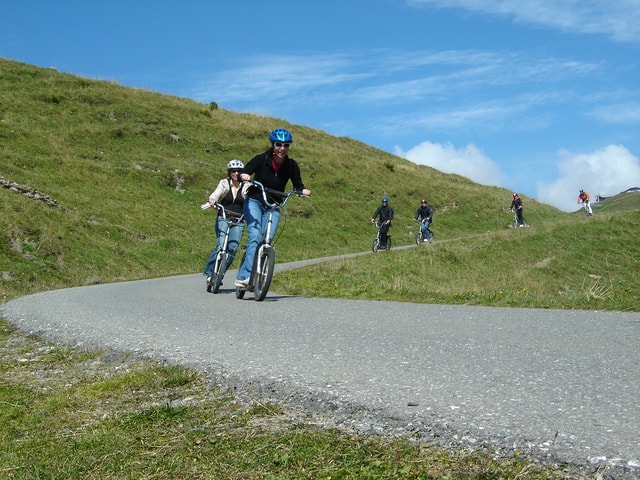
[559, 386]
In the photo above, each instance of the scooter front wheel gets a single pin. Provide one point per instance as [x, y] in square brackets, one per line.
[219, 270]
[264, 273]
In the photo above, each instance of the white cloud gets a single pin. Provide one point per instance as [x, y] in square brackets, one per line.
[391, 78]
[467, 161]
[607, 171]
[628, 112]
[278, 77]
[521, 112]
[618, 19]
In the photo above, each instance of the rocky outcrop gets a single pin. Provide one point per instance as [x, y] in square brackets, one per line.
[28, 192]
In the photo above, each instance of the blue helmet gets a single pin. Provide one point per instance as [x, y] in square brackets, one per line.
[385, 200]
[281, 135]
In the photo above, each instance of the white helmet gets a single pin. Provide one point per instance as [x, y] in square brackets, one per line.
[235, 164]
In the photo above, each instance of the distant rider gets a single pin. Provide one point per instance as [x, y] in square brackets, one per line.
[584, 199]
[385, 213]
[516, 205]
[425, 213]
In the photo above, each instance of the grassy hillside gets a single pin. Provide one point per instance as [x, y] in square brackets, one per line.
[587, 264]
[129, 168]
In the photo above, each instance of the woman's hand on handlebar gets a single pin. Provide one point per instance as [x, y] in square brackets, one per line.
[210, 204]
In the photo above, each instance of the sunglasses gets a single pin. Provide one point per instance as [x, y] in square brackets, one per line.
[234, 171]
[280, 144]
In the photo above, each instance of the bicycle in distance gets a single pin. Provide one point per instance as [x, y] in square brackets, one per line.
[223, 258]
[420, 236]
[265, 257]
[377, 241]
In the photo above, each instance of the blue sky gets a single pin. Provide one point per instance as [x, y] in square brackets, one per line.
[538, 96]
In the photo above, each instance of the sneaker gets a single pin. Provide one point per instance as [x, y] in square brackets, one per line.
[241, 283]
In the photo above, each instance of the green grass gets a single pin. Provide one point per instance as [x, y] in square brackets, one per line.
[129, 168]
[546, 266]
[67, 414]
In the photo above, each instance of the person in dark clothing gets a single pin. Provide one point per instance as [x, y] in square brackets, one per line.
[229, 194]
[425, 213]
[385, 214]
[516, 205]
[273, 168]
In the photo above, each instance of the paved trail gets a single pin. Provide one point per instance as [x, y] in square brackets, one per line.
[555, 384]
